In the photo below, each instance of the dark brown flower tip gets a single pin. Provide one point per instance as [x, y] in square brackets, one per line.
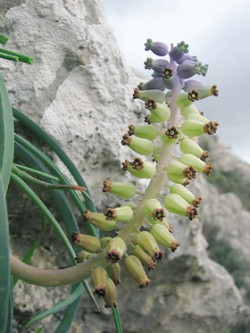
[196, 201]
[167, 73]
[125, 165]
[126, 139]
[86, 215]
[101, 290]
[114, 255]
[208, 169]
[210, 127]
[158, 214]
[214, 90]
[75, 237]
[151, 265]
[191, 212]
[145, 283]
[106, 186]
[151, 104]
[172, 133]
[158, 255]
[204, 155]
[189, 173]
[110, 214]
[193, 96]
[174, 246]
[131, 129]
[137, 164]
[136, 93]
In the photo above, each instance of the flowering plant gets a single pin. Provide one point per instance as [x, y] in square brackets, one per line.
[170, 135]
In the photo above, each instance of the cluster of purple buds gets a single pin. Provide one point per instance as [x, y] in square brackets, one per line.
[168, 155]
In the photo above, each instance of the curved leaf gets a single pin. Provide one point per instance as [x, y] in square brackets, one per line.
[4, 261]
[6, 135]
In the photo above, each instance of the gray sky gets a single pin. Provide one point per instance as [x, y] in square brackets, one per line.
[218, 33]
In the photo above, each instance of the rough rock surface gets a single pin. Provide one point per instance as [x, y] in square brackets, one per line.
[79, 90]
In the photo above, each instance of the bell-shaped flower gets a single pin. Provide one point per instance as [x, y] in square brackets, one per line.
[135, 268]
[99, 220]
[148, 243]
[139, 145]
[143, 131]
[110, 295]
[177, 205]
[140, 168]
[203, 91]
[179, 169]
[159, 112]
[86, 242]
[164, 237]
[116, 249]
[114, 272]
[99, 280]
[196, 163]
[144, 257]
[145, 95]
[170, 136]
[187, 195]
[153, 208]
[119, 189]
[196, 128]
[190, 146]
[121, 214]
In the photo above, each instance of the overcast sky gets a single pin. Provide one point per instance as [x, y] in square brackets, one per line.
[218, 32]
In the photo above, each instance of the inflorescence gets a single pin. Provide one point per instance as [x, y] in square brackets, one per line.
[169, 138]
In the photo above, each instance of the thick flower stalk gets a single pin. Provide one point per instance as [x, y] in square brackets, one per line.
[168, 156]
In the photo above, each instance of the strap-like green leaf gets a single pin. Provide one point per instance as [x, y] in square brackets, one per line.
[6, 135]
[4, 261]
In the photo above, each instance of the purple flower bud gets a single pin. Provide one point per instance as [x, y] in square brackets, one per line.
[157, 65]
[156, 83]
[178, 51]
[189, 68]
[192, 85]
[185, 57]
[157, 48]
[203, 91]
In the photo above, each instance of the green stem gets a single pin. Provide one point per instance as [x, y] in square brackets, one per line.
[55, 277]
